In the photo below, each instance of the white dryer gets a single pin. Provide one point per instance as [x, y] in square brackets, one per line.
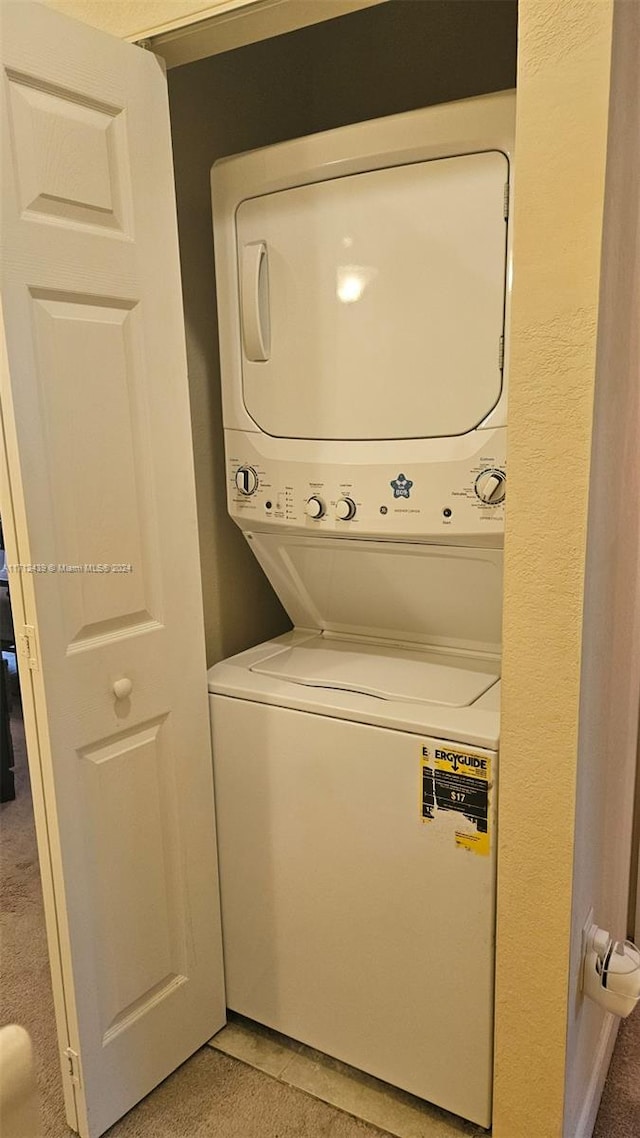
[363, 283]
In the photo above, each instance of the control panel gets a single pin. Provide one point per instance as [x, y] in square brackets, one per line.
[453, 499]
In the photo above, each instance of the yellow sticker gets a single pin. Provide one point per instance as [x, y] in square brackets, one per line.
[457, 781]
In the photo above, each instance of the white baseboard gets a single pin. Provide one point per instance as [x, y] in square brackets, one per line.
[589, 1111]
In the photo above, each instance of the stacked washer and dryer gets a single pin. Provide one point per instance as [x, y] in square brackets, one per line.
[363, 285]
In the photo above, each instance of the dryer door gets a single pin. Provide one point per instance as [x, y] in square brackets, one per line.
[372, 305]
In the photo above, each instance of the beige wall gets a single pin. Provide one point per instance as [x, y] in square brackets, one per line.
[562, 778]
[132, 19]
[610, 682]
[137, 18]
[388, 59]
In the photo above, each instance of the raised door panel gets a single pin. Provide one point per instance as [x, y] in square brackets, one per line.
[126, 779]
[70, 155]
[92, 398]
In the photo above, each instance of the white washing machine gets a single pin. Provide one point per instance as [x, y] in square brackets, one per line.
[363, 284]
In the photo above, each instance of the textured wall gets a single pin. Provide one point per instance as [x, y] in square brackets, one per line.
[610, 683]
[561, 136]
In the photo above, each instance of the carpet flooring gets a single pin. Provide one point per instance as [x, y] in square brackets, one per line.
[211, 1095]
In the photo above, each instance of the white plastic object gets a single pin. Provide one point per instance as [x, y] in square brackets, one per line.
[611, 972]
[388, 672]
[386, 590]
[255, 302]
[246, 480]
[490, 486]
[122, 688]
[345, 509]
[19, 1106]
[295, 469]
[341, 279]
[344, 792]
[314, 507]
[471, 127]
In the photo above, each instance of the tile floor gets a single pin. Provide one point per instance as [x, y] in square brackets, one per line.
[375, 1102]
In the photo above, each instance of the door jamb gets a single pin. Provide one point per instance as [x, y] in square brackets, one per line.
[190, 39]
[22, 603]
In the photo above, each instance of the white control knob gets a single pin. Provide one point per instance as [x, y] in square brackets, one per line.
[345, 509]
[314, 507]
[122, 688]
[246, 480]
[491, 486]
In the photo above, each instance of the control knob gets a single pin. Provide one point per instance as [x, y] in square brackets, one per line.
[345, 509]
[246, 480]
[491, 487]
[314, 507]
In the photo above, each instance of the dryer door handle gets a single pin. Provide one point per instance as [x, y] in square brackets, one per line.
[254, 292]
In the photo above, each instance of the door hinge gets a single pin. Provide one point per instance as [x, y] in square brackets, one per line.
[506, 200]
[501, 354]
[29, 646]
[73, 1060]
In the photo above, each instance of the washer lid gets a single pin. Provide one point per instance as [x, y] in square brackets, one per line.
[373, 304]
[389, 673]
[442, 597]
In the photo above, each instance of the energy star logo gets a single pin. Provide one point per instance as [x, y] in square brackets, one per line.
[401, 486]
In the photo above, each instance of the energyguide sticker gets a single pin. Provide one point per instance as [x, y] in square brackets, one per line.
[457, 781]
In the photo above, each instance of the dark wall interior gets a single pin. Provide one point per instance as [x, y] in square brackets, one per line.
[395, 57]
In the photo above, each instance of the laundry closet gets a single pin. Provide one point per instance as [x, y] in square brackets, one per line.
[393, 581]
[101, 427]
[98, 427]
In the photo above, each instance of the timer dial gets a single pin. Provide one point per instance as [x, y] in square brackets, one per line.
[491, 487]
[314, 507]
[246, 480]
[345, 509]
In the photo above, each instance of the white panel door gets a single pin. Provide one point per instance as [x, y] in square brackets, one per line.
[97, 420]
[373, 305]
